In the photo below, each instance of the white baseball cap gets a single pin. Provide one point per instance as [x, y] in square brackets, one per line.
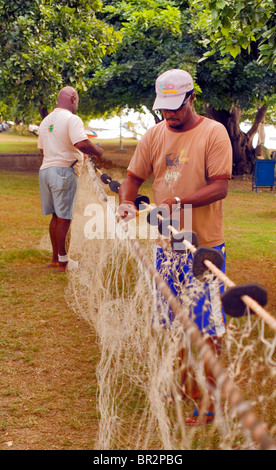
[171, 88]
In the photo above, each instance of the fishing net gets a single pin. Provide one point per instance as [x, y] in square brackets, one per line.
[140, 400]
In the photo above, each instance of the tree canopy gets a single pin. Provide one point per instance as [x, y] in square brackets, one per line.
[112, 52]
[158, 35]
[45, 45]
[232, 26]
[152, 42]
[236, 72]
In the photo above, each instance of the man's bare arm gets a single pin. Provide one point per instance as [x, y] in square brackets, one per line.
[215, 191]
[129, 188]
[88, 148]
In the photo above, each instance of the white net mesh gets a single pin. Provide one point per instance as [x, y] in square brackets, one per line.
[139, 371]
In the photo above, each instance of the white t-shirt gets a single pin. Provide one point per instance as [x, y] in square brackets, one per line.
[58, 133]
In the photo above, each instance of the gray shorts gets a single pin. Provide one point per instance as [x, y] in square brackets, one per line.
[58, 191]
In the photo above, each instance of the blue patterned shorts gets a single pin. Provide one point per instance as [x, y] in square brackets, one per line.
[200, 299]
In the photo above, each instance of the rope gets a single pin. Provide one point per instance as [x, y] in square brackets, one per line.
[238, 405]
[247, 300]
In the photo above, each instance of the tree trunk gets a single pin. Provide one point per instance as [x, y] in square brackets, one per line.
[243, 151]
[42, 110]
[260, 150]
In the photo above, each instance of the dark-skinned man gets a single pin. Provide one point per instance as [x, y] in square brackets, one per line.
[63, 143]
[190, 157]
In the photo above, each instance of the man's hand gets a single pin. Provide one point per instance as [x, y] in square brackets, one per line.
[171, 204]
[127, 211]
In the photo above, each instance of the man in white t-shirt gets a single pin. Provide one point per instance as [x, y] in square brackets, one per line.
[63, 143]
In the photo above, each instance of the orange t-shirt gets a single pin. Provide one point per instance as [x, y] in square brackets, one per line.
[184, 162]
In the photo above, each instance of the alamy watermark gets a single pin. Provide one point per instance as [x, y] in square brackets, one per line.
[104, 224]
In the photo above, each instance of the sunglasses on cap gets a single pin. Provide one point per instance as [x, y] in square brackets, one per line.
[180, 107]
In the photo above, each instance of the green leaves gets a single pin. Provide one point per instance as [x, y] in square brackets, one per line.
[233, 26]
[151, 42]
[46, 45]
[112, 53]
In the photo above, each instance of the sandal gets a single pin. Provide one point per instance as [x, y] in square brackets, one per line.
[53, 264]
[199, 419]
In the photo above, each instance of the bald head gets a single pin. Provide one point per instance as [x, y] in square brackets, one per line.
[68, 99]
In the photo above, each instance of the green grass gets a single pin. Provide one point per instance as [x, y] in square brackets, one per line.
[13, 143]
[250, 234]
[250, 225]
[48, 356]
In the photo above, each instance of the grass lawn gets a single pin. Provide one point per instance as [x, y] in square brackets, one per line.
[250, 233]
[11, 143]
[48, 356]
[48, 384]
[14, 143]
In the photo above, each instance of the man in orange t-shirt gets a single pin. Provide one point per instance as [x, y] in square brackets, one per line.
[190, 157]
